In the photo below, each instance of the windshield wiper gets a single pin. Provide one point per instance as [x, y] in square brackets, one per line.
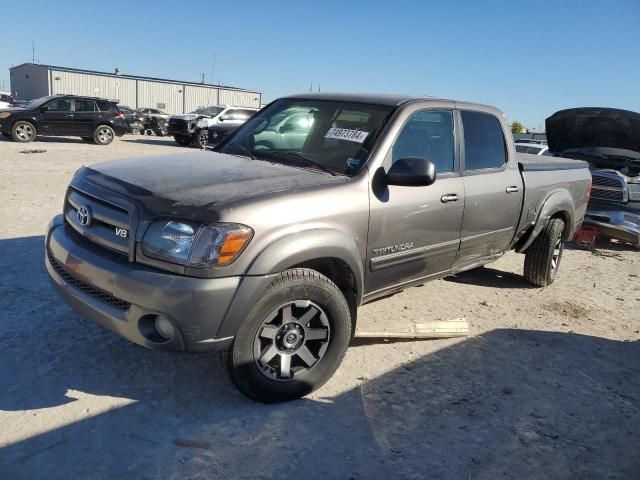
[309, 161]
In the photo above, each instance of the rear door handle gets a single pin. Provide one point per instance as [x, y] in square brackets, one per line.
[512, 189]
[450, 197]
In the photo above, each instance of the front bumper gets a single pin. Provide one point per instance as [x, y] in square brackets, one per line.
[127, 297]
[622, 224]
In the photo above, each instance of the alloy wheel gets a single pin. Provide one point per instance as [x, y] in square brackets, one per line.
[105, 135]
[557, 253]
[291, 340]
[24, 132]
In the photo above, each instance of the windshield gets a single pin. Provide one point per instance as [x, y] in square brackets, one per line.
[211, 111]
[332, 136]
[38, 102]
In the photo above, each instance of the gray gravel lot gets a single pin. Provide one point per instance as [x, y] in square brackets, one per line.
[546, 386]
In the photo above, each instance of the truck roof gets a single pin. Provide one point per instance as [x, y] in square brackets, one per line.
[388, 99]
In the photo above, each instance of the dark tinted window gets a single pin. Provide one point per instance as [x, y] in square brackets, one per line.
[484, 143]
[60, 105]
[528, 149]
[85, 105]
[427, 134]
[103, 106]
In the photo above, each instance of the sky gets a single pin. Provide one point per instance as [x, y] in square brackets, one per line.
[529, 59]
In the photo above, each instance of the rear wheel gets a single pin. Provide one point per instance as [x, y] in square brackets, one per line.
[23, 131]
[182, 140]
[103, 135]
[293, 339]
[542, 260]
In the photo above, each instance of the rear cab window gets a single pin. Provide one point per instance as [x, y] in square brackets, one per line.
[484, 143]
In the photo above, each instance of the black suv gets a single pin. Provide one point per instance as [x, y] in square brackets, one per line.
[93, 119]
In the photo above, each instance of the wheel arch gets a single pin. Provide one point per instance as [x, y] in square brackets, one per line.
[559, 204]
[330, 252]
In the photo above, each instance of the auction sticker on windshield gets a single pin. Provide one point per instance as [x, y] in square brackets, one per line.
[346, 134]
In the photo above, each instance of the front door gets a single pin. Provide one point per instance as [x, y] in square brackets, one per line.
[493, 189]
[414, 231]
[57, 117]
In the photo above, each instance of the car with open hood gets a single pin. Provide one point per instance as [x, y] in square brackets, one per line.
[320, 203]
[609, 139]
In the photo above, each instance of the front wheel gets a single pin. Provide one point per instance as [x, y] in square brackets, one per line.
[23, 132]
[201, 138]
[103, 135]
[293, 339]
[542, 260]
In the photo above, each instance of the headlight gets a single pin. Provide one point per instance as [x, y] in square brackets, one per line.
[186, 243]
[5, 114]
[634, 192]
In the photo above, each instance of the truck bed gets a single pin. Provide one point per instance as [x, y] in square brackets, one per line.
[528, 162]
[566, 180]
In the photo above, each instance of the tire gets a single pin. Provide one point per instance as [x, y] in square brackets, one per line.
[23, 132]
[542, 260]
[201, 138]
[320, 321]
[103, 135]
[182, 140]
[136, 128]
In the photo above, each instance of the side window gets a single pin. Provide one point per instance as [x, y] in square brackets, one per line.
[102, 105]
[85, 105]
[59, 105]
[427, 134]
[484, 143]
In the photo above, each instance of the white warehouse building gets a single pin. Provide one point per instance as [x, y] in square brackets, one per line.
[31, 80]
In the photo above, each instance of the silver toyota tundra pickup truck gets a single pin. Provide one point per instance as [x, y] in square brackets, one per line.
[320, 203]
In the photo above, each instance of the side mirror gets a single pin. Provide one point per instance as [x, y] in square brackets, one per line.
[222, 118]
[44, 109]
[412, 171]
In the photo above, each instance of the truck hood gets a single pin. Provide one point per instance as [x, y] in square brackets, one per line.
[190, 116]
[592, 129]
[199, 182]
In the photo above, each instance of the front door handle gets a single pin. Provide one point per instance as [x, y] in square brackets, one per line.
[450, 197]
[512, 189]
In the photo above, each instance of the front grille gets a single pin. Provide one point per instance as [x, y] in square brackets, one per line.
[608, 187]
[178, 122]
[87, 289]
[108, 225]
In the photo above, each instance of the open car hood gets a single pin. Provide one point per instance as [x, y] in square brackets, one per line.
[592, 129]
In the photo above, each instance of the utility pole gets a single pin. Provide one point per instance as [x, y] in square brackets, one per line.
[213, 66]
[33, 52]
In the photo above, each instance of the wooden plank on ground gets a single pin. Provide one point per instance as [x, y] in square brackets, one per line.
[404, 328]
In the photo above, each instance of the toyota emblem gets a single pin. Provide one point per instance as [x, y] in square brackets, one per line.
[84, 216]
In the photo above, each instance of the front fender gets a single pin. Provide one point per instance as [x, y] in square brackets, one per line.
[559, 202]
[285, 253]
[309, 245]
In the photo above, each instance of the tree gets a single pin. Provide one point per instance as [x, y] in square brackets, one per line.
[517, 127]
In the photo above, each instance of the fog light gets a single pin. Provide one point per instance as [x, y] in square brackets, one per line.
[164, 327]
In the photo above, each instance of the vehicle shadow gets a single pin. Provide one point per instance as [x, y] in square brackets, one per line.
[506, 404]
[151, 140]
[490, 277]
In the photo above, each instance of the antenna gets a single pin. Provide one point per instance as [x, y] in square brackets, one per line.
[213, 66]
[33, 52]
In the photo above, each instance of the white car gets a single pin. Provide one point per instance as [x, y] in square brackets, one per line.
[193, 127]
[533, 148]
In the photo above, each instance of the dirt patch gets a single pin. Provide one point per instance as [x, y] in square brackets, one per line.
[567, 309]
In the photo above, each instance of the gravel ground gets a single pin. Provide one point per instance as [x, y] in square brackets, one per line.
[547, 385]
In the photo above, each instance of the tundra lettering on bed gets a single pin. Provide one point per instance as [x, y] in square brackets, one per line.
[320, 203]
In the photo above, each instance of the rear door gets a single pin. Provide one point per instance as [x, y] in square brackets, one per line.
[492, 185]
[85, 116]
[414, 231]
[57, 119]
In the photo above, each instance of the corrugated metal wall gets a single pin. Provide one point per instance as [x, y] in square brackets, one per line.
[195, 97]
[172, 97]
[112, 88]
[238, 98]
[165, 96]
